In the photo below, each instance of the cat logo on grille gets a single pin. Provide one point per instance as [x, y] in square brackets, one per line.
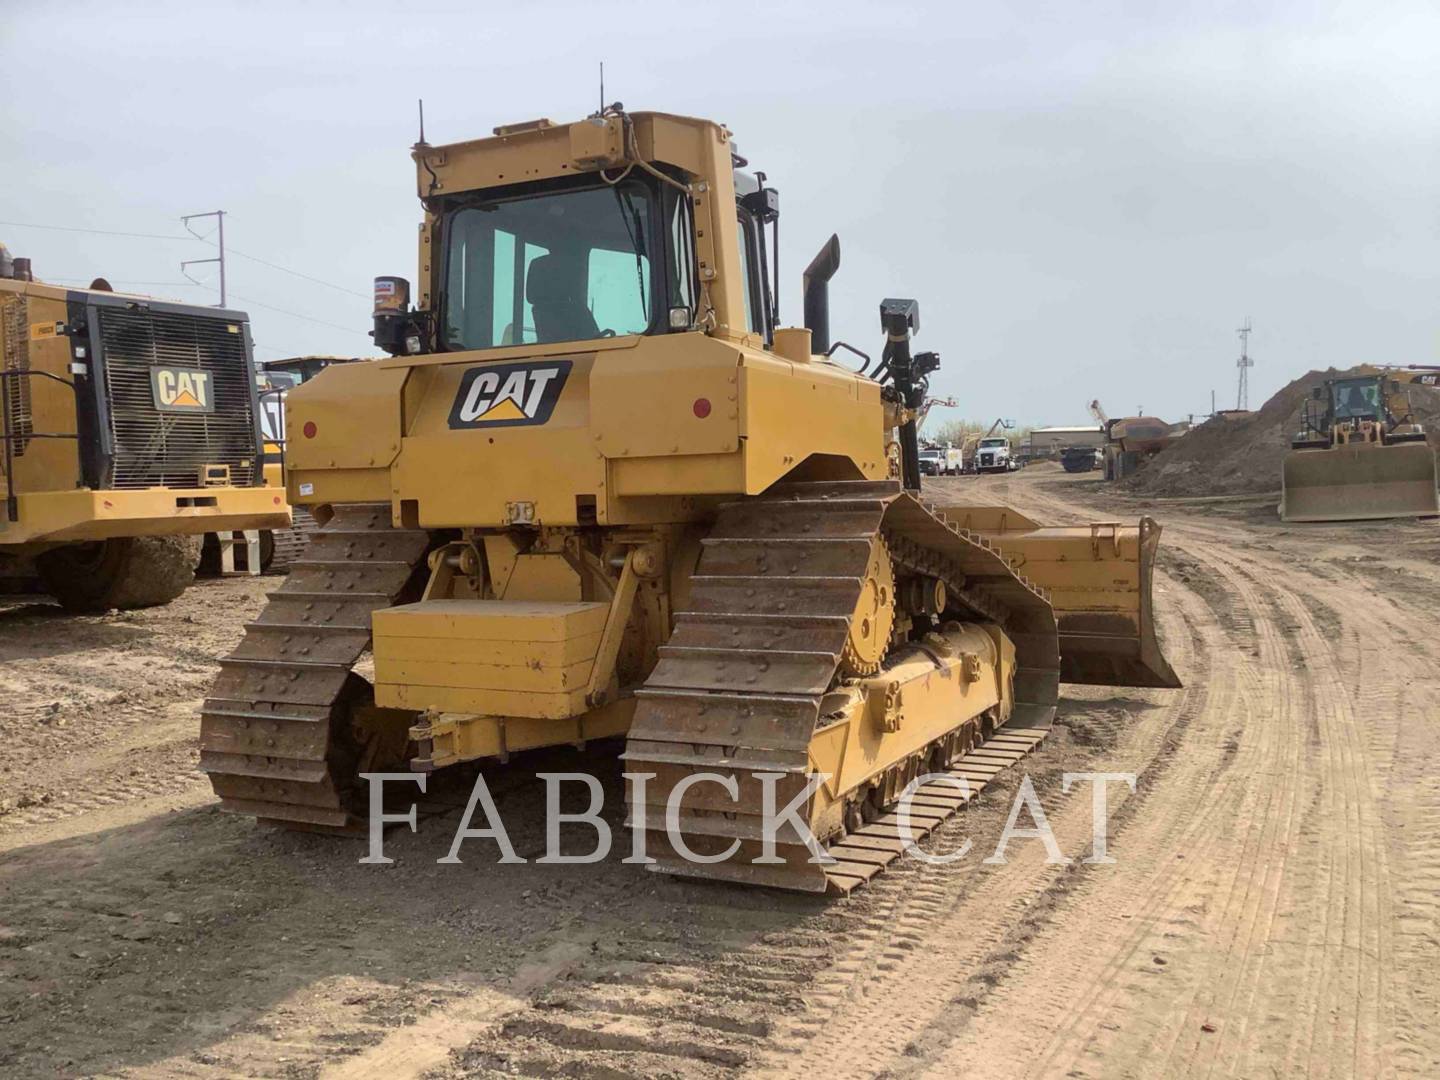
[508, 395]
[182, 390]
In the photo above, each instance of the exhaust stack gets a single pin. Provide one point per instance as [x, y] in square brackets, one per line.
[816, 282]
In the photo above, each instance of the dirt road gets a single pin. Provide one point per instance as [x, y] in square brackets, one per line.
[1272, 909]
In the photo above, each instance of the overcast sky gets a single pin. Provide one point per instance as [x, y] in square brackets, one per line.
[1087, 199]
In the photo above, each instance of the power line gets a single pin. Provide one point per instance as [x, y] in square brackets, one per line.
[202, 239]
[129, 281]
[212, 288]
[297, 315]
[296, 273]
[97, 232]
[278, 350]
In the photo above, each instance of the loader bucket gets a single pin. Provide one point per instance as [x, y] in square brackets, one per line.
[1359, 483]
[1099, 578]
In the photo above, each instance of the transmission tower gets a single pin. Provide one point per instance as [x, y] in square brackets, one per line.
[219, 216]
[1242, 397]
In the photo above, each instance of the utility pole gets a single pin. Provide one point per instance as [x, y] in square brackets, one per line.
[1242, 397]
[219, 216]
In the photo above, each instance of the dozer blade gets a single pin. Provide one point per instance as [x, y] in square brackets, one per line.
[1100, 581]
[1359, 483]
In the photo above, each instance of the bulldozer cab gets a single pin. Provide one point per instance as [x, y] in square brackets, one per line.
[555, 263]
[620, 225]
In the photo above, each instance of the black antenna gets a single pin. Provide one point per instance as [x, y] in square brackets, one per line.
[422, 122]
[602, 87]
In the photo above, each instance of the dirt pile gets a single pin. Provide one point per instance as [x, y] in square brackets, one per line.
[1241, 455]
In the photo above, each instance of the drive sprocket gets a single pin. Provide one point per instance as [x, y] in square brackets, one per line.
[874, 618]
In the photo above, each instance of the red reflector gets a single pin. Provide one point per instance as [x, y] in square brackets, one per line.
[309, 429]
[277, 500]
[702, 407]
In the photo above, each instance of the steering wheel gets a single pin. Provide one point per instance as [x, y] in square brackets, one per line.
[607, 333]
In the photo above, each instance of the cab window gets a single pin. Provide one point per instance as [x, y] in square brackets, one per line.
[567, 265]
[747, 238]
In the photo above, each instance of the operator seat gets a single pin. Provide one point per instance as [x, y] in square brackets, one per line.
[555, 288]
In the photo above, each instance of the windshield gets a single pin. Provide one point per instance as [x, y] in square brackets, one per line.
[565, 266]
[275, 379]
[993, 442]
[1357, 399]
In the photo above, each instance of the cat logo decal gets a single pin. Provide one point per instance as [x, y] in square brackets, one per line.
[509, 395]
[182, 390]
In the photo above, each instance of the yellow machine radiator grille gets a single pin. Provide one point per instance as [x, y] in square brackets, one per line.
[15, 329]
[167, 449]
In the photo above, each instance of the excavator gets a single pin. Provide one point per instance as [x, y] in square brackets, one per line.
[1360, 454]
[599, 490]
[129, 428]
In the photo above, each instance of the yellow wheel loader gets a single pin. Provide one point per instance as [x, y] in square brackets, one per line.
[1360, 455]
[130, 429]
[598, 490]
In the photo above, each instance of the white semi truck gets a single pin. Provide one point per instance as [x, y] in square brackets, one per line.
[993, 454]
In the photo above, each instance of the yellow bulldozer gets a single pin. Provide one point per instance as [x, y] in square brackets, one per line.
[278, 548]
[598, 490]
[1360, 453]
[130, 429]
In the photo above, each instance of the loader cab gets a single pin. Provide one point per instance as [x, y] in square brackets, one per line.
[1356, 399]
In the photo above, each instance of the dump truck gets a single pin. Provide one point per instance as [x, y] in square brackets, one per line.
[130, 429]
[1360, 453]
[599, 490]
[1130, 441]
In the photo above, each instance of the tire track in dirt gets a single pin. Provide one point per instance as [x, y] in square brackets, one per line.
[1252, 989]
[1249, 908]
[695, 996]
[1092, 970]
[1394, 690]
[1363, 655]
[136, 762]
[1348, 948]
[101, 710]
